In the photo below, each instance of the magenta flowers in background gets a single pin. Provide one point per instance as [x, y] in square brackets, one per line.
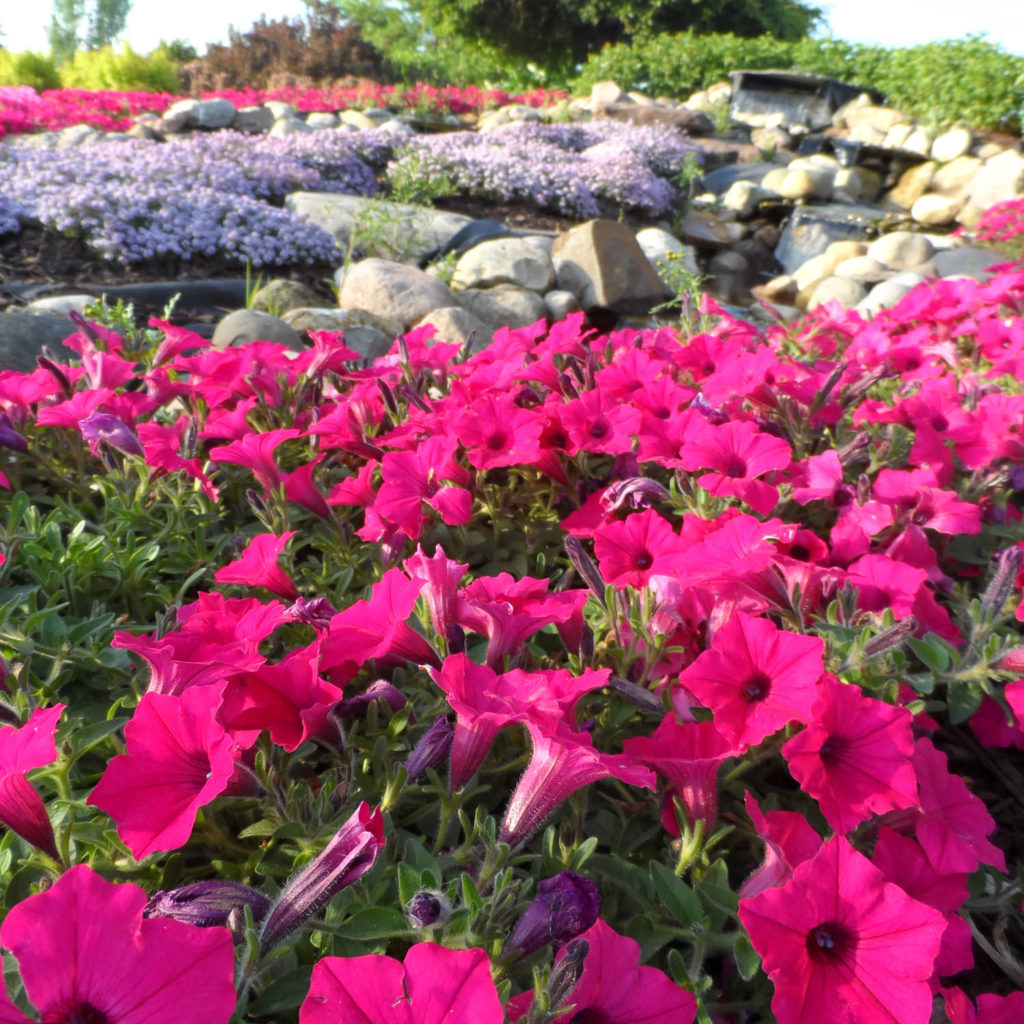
[85, 953]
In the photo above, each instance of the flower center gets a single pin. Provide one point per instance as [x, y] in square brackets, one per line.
[76, 1013]
[756, 688]
[736, 468]
[829, 940]
[644, 560]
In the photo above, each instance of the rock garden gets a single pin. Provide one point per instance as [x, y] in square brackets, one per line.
[485, 557]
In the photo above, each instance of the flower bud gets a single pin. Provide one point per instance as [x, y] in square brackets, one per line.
[431, 750]
[346, 858]
[317, 612]
[638, 491]
[566, 905]
[997, 593]
[586, 567]
[22, 810]
[566, 974]
[105, 427]
[9, 437]
[379, 690]
[207, 904]
[427, 908]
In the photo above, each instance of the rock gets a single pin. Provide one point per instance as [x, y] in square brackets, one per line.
[987, 150]
[247, 325]
[458, 326]
[285, 126]
[966, 260]
[774, 178]
[758, 255]
[209, 114]
[24, 333]
[897, 135]
[364, 333]
[388, 230]
[507, 114]
[845, 290]
[560, 304]
[280, 108]
[281, 295]
[731, 275]
[865, 269]
[663, 249]
[322, 119]
[141, 130]
[951, 144]
[743, 197]
[602, 94]
[782, 289]
[395, 291]
[920, 141]
[901, 249]
[806, 183]
[77, 135]
[722, 179]
[887, 293]
[504, 261]
[912, 184]
[719, 92]
[505, 305]
[63, 304]
[997, 180]
[849, 182]
[620, 277]
[935, 210]
[641, 99]
[880, 119]
[770, 140]
[817, 268]
[253, 120]
[357, 119]
[693, 122]
[953, 178]
[704, 230]
[812, 229]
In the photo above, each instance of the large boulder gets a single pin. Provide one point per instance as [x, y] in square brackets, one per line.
[504, 305]
[998, 179]
[247, 325]
[394, 231]
[458, 326]
[618, 275]
[394, 291]
[371, 336]
[23, 335]
[812, 229]
[504, 261]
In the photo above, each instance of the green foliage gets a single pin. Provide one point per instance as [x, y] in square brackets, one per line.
[553, 34]
[28, 68]
[127, 70]
[63, 29]
[409, 182]
[104, 21]
[965, 80]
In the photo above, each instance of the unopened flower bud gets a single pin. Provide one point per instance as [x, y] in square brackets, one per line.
[427, 908]
[316, 612]
[566, 974]
[637, 492]
[891, 637]
[997, 593]
[1012, 661]
[22, 810]
[379, 690]
[9, 437]
[586, 567]
[346, 858]
[208, 904]
[431, 750]
[455, 636]
[566, 905]
[105, 427]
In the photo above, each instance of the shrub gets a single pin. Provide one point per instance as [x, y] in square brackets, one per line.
[28, 68]
[319, 50]
[965, 80]
[126, 70]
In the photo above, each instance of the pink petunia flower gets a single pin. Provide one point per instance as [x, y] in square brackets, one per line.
[434, 985]
[21, 808]
[841, 944]
[632, 550]
[756, 678]
[86, 954]
[258, 566]
[854, 756]
[179, 758]
[615, 989]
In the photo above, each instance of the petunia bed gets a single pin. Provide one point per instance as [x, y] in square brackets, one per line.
[586, 678]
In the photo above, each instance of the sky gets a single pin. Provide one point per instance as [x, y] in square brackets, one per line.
[200, 22]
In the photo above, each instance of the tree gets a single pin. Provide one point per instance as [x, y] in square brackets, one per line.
[105, 21]
[557, 34]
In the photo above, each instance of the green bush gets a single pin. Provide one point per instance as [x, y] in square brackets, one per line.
[965, 80]
[126, 70]
[28, 68]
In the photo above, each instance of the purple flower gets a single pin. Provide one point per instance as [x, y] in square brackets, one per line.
[105, 427]
[208, 904]
[431, 750]
[566, 906]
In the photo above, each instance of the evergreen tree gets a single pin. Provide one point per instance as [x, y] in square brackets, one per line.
[103, 22]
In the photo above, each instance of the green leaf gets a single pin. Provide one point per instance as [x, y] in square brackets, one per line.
[287, 993]
[88, 736]
[680, 899]
[930, 653]
[748, 963]
[963, 699]
[470, 896]
[408, 883]
[677, 968]
[260, 828]
[373, 923]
